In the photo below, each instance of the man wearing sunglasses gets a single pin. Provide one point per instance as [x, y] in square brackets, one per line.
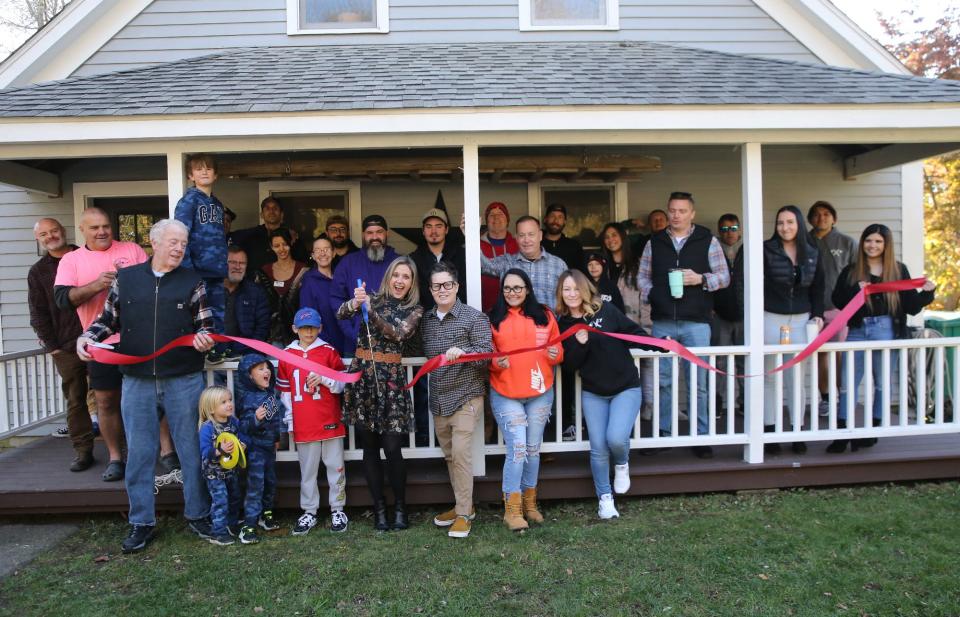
[727, 312]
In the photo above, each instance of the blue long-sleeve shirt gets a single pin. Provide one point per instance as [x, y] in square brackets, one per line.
[206, 238]
[355, 266]
[209, 457]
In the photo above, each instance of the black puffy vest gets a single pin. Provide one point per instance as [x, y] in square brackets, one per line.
[154, 311]
[696, 303]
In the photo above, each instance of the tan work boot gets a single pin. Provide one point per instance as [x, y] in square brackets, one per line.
[445, 519]
[530, 511]
[513, 513]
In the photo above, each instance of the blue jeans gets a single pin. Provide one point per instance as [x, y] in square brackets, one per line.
[261, 482]
[873, 329]
[141, 402]
[689, 334]
[225, 497]
[609, 423]
[521, 423]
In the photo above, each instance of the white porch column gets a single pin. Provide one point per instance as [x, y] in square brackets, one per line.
[176, 182]
[751, 168]
[471, 213]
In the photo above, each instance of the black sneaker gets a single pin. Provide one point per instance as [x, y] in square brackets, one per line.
[201, 527]
[62, 431]
[221, 539]
[338, 523]
[702, 451]
[138, 538]
[214, 358]
[266, 521]
[169, 462]
[248, 535]
[234, 530]
[305, 523]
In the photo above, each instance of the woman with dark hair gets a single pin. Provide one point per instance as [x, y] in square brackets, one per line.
[792, 296]
[281, 282]
[882, 318]
[377, 405]
[521, 391]
[611, 393]
[596, 268]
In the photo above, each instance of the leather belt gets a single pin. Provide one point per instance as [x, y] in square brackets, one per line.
[364, 354]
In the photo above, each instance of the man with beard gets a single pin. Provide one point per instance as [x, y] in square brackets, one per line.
[368, 266]
[246, 309]
[84, 277]
[57, 331]
[255, 241]
[434, 250]
[337, 231]
[555, 243]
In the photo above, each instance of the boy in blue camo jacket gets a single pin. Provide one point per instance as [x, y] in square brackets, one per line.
[206, 252]
[260, 414]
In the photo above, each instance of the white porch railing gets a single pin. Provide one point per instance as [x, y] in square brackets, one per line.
[32, 392]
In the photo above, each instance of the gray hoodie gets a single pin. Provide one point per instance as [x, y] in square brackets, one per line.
[837, 250]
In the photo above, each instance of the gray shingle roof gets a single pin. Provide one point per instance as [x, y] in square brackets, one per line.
[290, 79]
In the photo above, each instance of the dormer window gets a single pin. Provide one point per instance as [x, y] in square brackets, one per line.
[569, 15]
[337, 16]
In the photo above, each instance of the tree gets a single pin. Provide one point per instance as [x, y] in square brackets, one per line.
[933, 50]
[29, 15]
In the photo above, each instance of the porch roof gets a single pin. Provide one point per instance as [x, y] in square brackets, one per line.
[371, 77]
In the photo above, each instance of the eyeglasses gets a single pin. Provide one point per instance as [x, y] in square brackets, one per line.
[336, 229]
[725, 228]
[519, 289]
[448, 285]
[236, 263]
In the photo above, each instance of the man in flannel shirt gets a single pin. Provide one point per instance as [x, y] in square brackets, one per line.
[456, 392]
[543, 268]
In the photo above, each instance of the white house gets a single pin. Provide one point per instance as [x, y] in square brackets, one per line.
[373, 105]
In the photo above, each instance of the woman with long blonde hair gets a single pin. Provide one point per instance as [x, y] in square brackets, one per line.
[611, 393]
[882, 318]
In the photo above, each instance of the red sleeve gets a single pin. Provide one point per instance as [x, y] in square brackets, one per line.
[283, 377]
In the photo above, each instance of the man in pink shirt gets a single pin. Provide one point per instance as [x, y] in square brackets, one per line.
[84, 277]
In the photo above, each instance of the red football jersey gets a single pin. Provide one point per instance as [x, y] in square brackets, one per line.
[316, 413]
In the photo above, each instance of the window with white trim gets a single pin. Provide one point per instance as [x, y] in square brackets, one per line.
[337, 16]
[569, 14]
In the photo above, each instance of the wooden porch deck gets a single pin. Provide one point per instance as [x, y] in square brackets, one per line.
[34, 478]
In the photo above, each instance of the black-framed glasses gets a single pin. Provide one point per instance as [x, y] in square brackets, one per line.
[519, 289]
[448, 285]
[725, 228]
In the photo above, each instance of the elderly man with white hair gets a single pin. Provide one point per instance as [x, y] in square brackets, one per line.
[151, 304]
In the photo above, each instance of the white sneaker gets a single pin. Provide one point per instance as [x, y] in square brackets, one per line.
[646, 413]
[305, 523]
[621, 479]
[570, 433]
[607, 509]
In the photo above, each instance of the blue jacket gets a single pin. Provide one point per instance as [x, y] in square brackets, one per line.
[262, 433]
[315, 293]
[252, 311]
[209, 431]
[206, 239]
[355, 266]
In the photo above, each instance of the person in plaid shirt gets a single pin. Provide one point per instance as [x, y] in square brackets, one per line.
[543, 268]
[456, 392]
[160, 301]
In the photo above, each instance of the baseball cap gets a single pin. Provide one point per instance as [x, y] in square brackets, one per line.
[556, 208]
[307, 317]
[435, 213]
[374, 219]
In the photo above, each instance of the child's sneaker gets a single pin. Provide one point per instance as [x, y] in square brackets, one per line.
[607, 509]
[234, 530]
[305, 523]
[339, 521]
[248, 535]
[266, 521]
[221, 539]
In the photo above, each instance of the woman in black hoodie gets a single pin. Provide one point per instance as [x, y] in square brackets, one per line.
[792, 296]
[611, 394]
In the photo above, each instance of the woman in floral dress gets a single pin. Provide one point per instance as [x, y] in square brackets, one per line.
[376, 405]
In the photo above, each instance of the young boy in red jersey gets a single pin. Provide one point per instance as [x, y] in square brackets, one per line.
[313, 402]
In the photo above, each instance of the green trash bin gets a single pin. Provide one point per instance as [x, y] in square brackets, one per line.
[946, 323]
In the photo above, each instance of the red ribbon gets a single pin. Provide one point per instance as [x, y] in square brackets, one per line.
[105, 356]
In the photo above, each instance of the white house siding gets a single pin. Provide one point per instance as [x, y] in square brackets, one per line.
[171, 30]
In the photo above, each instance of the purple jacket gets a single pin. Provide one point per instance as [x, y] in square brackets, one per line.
[315, 293]
[352, 267]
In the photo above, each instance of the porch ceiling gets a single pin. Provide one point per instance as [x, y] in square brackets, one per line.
[372, 77]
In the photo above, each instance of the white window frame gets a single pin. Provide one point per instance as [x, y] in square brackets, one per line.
[527, 25]
[383, 21]
[620, 196]
[85, 192]
[270, 187]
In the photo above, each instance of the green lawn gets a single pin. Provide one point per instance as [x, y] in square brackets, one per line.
[891, 550]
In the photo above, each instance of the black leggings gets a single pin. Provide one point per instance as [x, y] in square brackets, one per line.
[373, 466]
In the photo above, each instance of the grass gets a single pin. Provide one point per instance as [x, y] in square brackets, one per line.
[887, 550]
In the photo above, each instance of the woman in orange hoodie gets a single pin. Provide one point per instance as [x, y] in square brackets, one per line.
[521, 392]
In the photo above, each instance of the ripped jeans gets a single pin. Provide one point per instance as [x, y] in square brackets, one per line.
[521, 423]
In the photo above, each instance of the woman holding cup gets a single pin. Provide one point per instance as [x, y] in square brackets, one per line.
[792, 299]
